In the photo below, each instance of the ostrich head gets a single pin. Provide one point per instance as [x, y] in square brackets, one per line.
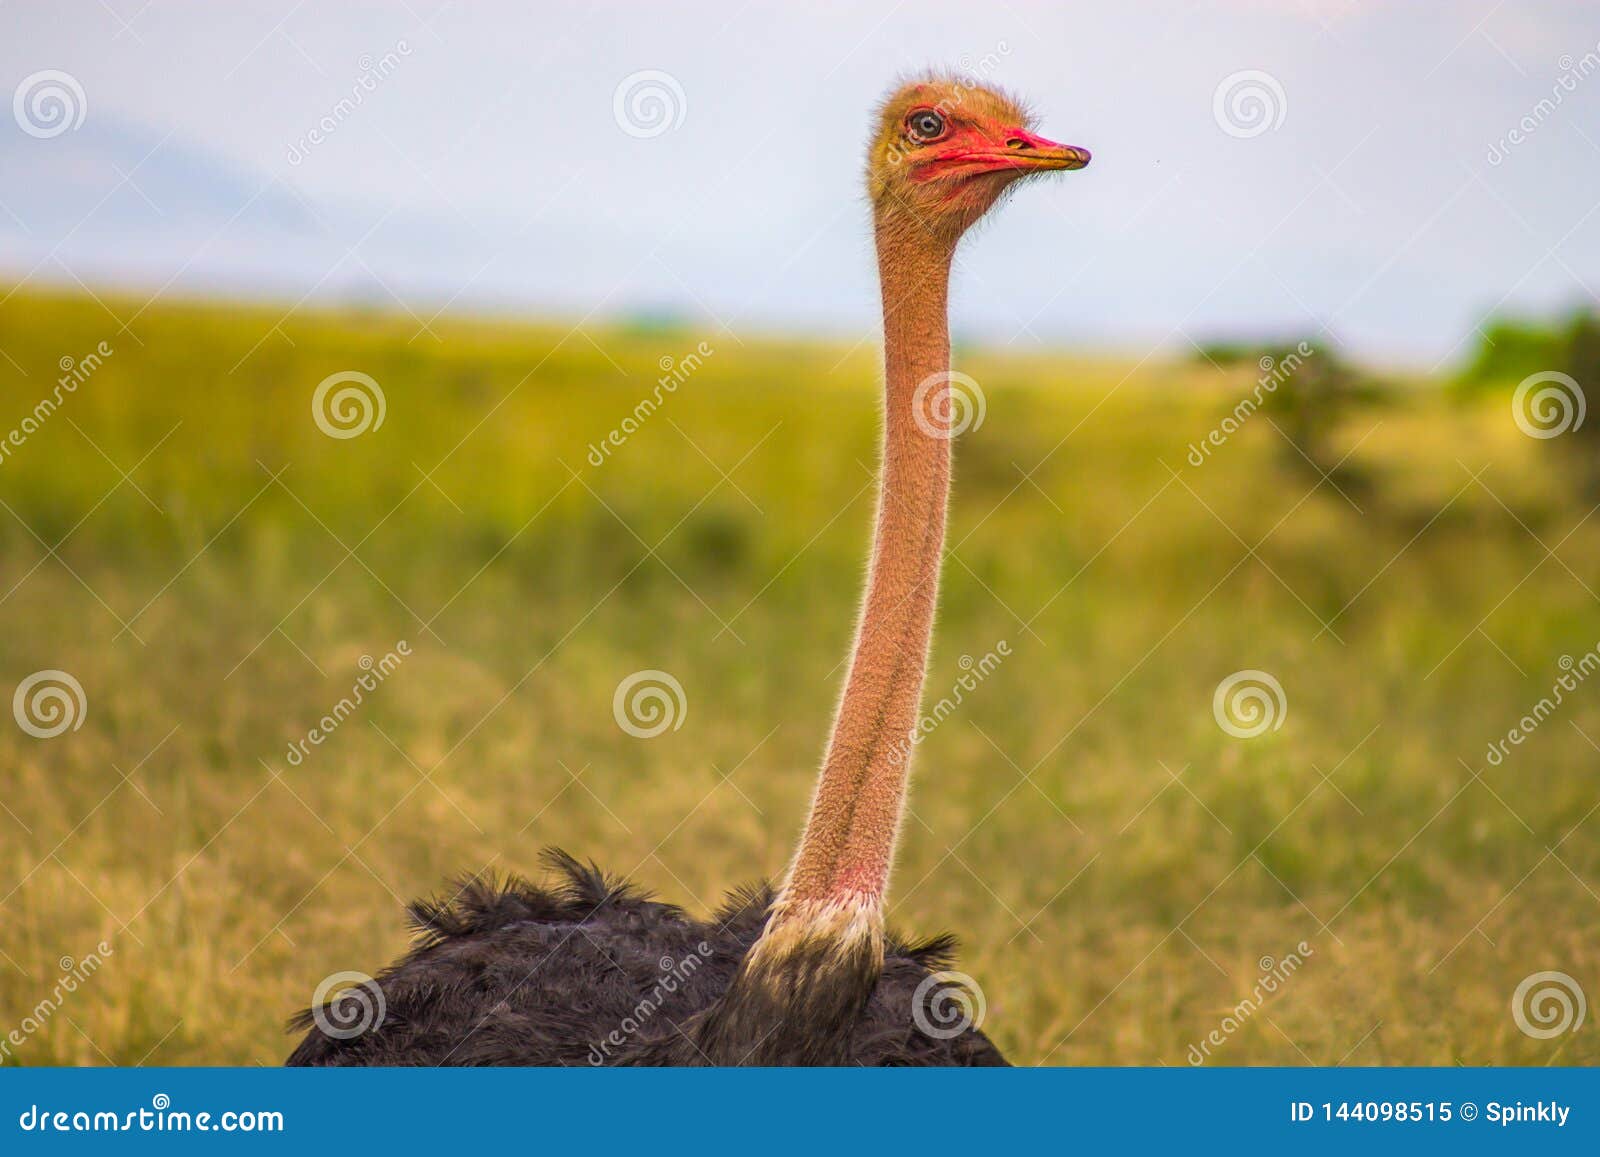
[945, 149]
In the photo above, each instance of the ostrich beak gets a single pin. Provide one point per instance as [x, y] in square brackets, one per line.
[1025, 150]
[1021, 153]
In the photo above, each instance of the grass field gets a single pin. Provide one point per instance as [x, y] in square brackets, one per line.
[182, 538]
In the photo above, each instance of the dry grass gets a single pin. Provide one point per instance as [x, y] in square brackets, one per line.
[1115, 864]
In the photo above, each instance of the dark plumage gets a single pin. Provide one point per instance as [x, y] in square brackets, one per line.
[593, 972]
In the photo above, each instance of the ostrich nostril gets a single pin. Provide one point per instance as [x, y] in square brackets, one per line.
[1017, 143]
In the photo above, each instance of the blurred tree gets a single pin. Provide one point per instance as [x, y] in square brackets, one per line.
[1582, 364]
[1310, 404]
[1509, 349]
[1512, 350]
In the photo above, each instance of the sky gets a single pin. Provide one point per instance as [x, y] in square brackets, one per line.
[1387, 176]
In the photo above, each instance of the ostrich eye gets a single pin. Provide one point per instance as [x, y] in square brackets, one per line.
[926, 125]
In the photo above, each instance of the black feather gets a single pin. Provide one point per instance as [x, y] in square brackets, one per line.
[593, 971]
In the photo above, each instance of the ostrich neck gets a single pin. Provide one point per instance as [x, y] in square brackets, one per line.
[803, 986]
[842, 866]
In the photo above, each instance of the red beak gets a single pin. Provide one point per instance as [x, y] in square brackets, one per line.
[1029, 151]
[1022, 152]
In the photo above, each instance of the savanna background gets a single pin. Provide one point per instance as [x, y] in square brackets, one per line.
[1400, 539]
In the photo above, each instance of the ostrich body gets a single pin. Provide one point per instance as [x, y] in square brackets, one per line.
[591, 971]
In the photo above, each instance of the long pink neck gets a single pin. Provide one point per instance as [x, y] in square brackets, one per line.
[847, 850]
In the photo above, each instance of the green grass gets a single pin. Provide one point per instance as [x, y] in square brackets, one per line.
[1110, 914]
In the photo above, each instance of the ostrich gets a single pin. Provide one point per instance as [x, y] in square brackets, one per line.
[594, 972]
